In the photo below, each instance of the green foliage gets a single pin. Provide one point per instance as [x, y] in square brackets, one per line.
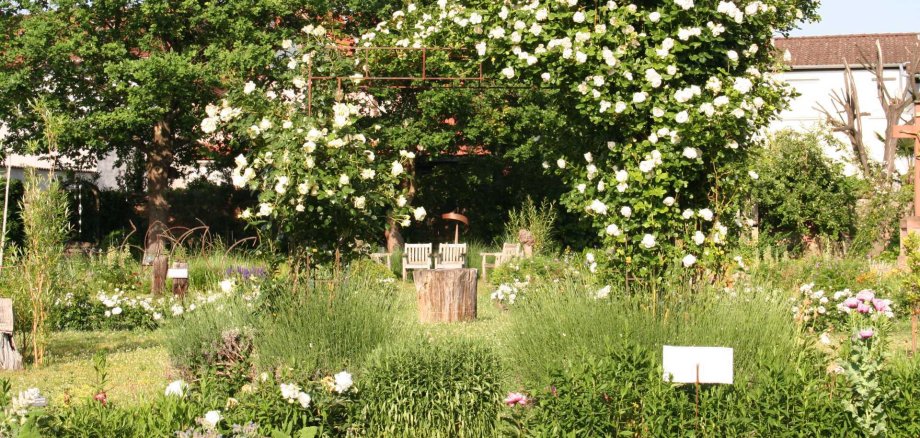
[540, 221]
[197, 341]
[801, 193]
[536, 269]
[46, 226]
[757, 325]
[432, 389]
[328, 327]
[911, 289]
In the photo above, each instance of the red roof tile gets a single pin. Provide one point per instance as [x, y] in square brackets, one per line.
[832, 50]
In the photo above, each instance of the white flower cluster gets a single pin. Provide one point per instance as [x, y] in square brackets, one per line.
[292, 393]
[19, 406]
[508, 293]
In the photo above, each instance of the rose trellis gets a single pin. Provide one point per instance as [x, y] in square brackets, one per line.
[680, 89]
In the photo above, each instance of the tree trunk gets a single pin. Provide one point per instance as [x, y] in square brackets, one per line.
[394, 237]
[159, 159]
[446, 295]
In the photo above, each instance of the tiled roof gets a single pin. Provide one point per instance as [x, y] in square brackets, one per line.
[815, 51]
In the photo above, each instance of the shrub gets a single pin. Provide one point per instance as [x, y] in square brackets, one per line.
[539, 220]
[800, 192]
[198, 344]
[327, 327]
[433, 390]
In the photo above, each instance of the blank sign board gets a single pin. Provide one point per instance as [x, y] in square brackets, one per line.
[714, 364]
[177, 273]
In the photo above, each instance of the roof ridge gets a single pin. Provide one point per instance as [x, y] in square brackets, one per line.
[849, 35]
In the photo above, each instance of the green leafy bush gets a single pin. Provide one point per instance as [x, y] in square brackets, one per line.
[432, 390]
[327, 327]
[801, 193]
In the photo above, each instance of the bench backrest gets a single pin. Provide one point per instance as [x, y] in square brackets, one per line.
[452, 252]
[418, 253]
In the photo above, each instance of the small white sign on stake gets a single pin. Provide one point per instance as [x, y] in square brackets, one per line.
[177, 273]
[698, 364]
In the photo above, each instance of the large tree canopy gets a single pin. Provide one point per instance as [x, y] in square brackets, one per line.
[135, 77]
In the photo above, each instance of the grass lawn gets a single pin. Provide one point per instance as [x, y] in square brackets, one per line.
[138, 366]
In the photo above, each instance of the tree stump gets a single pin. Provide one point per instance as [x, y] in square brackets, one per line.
[446, 295]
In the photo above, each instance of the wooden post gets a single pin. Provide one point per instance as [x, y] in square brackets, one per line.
[160, 268]
[911, 224]
[446, 295]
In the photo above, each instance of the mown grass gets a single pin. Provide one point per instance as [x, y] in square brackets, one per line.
[138, 367]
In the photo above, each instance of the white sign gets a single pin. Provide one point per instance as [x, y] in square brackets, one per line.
[177, 273]
[698, 364]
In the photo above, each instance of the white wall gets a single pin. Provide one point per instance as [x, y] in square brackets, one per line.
[816, 87]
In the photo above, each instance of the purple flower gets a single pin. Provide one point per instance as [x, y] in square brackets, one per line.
[881, 305]
[851, 302]
[866, 333]
[515, 398]
[865, 295]
[863, 308]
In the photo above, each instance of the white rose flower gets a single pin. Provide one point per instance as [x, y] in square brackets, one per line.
[682, 117]
[578, 17]
[626, 211]
[646, 166]
[304, 399]
[690, 153]
[613, 230]
[753, 175]
[687, 214]
[706, 214]
[508, 72]
[648, 241]
[401, 201]
[689, 260]
[699, 237]
[397, 168]
[343, 380]
[210, 420]
[640, 97]
[654, 17]
[581, 188]
[240, 160]
[360, 202]
[598, 207]
[419, 213]
[481, 48]
[209, 125]
[264, 209]
[344, 180]
[669, 201]
[561, 163]
[249, 87]
[733, 55]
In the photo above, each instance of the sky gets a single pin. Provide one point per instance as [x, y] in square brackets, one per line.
[864, 16]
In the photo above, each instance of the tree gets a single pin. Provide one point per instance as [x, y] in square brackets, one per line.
[135, 77]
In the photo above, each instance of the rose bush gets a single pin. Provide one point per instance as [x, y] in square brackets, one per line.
[671, 96]
[322, 179]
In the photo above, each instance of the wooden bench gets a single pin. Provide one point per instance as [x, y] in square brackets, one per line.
[510, 251]
[416, 256]
[451, 256]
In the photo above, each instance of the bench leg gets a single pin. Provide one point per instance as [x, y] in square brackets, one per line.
[404, 273]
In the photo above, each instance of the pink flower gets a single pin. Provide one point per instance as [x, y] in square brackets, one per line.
[881, 305]
[515, 398]
[851, 302]
[863, 308]
[865, 295]
[866, 333]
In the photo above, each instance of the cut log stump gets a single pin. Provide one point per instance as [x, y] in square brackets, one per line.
[446, 295]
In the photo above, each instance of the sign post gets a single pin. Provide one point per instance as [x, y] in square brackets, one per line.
[697, 365]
